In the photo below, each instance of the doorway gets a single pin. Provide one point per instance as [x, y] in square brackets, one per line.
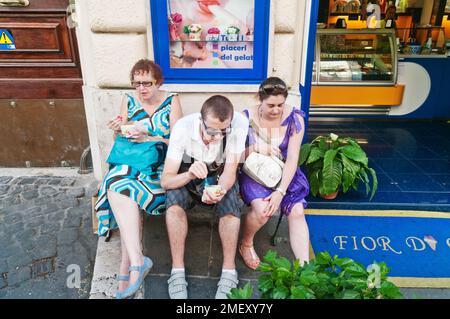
[43, 121]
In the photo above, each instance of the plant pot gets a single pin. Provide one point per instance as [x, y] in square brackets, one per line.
[330, 196]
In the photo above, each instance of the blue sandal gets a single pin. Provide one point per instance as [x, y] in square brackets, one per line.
[121, 278]
[143, 271]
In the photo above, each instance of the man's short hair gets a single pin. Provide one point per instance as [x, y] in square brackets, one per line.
[218, 106]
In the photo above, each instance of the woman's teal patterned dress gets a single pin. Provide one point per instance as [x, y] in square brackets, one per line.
[123, 179]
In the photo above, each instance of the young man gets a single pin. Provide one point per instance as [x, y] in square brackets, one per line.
[205, 149]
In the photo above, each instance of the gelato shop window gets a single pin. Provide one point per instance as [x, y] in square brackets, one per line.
[211, 41]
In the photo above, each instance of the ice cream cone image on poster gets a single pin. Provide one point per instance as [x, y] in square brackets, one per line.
[430, 241]
[233, 33]
[194, 31]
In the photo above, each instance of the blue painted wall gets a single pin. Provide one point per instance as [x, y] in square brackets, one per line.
[437, 105]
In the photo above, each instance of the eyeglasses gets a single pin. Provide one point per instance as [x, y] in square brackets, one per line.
[214, 132]
[146, 84]
[270, 89]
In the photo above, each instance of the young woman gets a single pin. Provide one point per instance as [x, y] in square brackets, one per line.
[284, 127]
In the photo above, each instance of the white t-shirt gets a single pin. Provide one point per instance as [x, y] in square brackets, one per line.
[185, 138]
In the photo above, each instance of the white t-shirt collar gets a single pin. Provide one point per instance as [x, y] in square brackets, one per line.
[196, 134]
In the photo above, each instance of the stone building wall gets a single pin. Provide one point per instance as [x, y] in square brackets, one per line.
[114, 34]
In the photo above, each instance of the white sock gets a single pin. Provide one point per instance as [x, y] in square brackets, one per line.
[231, 271]
[174, 270]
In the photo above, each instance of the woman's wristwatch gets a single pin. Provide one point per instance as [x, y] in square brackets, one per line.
[279, 189]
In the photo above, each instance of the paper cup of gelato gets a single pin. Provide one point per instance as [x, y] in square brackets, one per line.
[214, 189]
[128, 129]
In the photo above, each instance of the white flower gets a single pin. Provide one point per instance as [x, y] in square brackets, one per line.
[194, 28]
[334, 137]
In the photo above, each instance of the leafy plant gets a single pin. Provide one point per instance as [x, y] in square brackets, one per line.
[242, 293]
[334, 163]
[324, 277]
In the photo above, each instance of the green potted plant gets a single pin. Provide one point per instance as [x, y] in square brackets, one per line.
[336, 163]
[324, 277]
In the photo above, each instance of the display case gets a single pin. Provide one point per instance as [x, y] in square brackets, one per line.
[355, 57]
[422, 41]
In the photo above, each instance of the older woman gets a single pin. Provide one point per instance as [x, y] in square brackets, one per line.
[133, 181]
[284, 128]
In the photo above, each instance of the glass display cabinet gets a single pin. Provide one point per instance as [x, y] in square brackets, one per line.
[355, 57]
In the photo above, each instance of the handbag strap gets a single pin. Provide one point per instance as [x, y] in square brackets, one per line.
[258, 131]
[263, 136]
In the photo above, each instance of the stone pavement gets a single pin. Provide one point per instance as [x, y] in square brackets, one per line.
[46, 234]
[203, 260]
[203, 257]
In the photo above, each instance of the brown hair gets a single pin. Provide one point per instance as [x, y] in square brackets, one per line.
[271, 87]
[219, 107]
[147, 66]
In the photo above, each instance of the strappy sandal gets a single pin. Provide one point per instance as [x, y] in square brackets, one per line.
[249, 256]
[143, 271]
[121, 278]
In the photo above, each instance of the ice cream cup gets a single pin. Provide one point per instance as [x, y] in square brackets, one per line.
[214, 190]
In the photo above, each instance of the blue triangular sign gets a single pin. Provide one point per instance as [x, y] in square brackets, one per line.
[6, 40]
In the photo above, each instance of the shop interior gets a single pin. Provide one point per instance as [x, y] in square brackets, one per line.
[367, 84]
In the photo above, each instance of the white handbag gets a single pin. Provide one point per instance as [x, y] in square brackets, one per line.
[264, 169]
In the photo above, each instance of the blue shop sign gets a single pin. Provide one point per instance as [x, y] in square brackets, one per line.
[414, 245]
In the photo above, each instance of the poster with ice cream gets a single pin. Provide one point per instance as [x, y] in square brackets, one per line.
[207, 34]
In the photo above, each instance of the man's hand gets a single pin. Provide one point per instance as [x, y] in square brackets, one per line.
[198, 170]
[212, 198]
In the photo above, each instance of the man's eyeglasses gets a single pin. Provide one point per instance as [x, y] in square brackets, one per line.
[214, 132]
[270, 89]
[146, 84]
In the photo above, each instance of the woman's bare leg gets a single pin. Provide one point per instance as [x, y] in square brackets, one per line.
[128, 218]
[299, 233]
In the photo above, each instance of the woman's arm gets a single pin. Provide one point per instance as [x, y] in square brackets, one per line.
[175, 112]
[115, 123]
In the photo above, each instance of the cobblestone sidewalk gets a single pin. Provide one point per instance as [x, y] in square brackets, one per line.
[46, 237]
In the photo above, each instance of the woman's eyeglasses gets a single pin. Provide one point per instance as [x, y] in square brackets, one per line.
[146, 84]
[214, 132]
[270, 89]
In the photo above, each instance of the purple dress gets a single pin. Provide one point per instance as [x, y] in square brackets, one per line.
[298, 188]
